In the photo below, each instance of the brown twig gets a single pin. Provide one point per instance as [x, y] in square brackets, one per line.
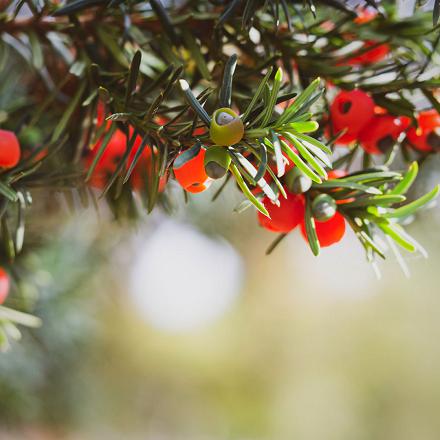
[89, 21]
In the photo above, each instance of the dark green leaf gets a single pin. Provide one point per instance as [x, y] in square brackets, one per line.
[340, 183]
[263, 162]
[221, 188]
[194, 103]
[272, 97]
[257, 95]
[101, 150]
[376, 175]
[77, 6]
[8, 241]
[68, 113]
[121, 163]
[248, 13]
[8, 192]
[37, 52]
[436, 12]
[275, 243]
[226, 87]
[132, 78]
[379, 200]
[194, 47]
[109, 41]
[165, 20]
[228, 11]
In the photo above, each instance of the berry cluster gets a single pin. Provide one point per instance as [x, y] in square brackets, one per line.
[107, 159]
[290, 212]
[196, 167]
[356, 118]
[287, 191]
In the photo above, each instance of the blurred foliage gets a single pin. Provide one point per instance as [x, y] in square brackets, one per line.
[345, 357]
[287, 362]
[58, 276]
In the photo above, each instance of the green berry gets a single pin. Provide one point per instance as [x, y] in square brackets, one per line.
[297, 182]
[226, 127]
[323, 207]
[217, 161]
[31, 136]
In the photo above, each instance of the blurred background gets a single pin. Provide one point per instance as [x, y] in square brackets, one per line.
[180, 327]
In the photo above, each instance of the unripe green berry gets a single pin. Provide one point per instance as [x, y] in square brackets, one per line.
[297, 182]
[31, 136]
[323, 207]
[226, 127]
[217, 161]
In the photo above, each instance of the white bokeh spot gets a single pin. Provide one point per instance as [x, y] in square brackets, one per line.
[182, 279]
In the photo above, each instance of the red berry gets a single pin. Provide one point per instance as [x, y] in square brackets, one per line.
[426, 136]
[345, 139]
[109, 160]
[328, 232]
[100, 116]
[365, 15]
[9, 149]
[189, 170]
[199, 131]
[113, 154]
[160, 120]
[4, 285]
[429, 119]
[351, 111]
[336, 174]
[139, 176]
[199, 187]
[285, 217]
[115, 151]
[143, 165]
[381, 133]
[374, 55]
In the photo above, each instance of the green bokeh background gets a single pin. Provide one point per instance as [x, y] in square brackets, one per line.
[309, 349]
